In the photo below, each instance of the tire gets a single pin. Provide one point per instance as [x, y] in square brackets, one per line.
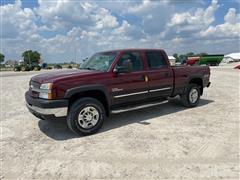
[23, 69]
[86, 116]
[191, 102]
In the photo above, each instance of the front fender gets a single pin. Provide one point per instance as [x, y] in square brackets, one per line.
[94, 87]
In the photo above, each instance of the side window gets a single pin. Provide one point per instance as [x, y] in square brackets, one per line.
[134, 58]
[155, 59]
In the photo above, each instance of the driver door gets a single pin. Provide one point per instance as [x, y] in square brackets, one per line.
[129, 87]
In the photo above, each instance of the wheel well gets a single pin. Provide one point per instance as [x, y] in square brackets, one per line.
[96, 94]
[199, 82]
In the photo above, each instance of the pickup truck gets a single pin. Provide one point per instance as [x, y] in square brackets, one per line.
[113, 82]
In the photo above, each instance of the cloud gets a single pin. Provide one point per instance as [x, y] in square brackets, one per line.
[189, 24]
[58, 28]
[129, 31]
[64, 15]
[17, 21]
[195, 31]
[153, 15]
[232, 17]
[230, 29]
[19, 30]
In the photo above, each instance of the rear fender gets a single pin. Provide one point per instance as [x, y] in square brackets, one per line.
[191, 78]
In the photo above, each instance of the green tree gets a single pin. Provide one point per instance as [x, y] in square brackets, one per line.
[190, 54]
[176, 56]
[31, 57]
[182, 57]
[1, 58]
[203, 53]
[72, 62]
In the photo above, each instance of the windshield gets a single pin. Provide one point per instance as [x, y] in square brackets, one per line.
[99, 61]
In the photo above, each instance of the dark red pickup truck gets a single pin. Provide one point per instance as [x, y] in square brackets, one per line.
[113, 82]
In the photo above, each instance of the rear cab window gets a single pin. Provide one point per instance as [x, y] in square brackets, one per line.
[155, 60]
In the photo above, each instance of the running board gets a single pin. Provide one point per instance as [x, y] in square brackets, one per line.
[132, 108]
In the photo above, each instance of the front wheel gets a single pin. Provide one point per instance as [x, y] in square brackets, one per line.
[86, 116]
[192, 96]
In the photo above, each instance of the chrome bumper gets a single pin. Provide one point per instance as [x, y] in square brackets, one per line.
[58, 112]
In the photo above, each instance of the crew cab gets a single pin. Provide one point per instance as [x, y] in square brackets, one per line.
[113, 82]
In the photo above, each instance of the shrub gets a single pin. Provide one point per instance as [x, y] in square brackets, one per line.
[26, 67]
[37, 68]
[57, 66]
[17, 68]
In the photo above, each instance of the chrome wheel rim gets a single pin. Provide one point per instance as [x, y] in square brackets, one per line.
[193, 96]
[88, 117]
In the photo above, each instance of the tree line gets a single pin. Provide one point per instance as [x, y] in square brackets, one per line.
[29, 57]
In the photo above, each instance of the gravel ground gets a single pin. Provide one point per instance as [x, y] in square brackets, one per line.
[162, 142]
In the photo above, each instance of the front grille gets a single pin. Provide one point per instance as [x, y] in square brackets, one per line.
[34, 94]
[34, 85]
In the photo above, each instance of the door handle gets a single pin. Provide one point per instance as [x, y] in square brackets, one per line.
[144, 78]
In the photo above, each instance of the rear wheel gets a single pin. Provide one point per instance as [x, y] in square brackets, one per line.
[86, 116]
[192, 96]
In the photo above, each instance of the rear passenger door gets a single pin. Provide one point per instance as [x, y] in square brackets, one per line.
[160, 74]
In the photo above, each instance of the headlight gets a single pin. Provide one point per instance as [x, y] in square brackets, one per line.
[46, 91]
[46, 86]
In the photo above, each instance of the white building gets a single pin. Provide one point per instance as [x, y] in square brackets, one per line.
[234, 57]
[172, 60]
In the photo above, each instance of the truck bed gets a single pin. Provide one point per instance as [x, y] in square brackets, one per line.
[183, 73]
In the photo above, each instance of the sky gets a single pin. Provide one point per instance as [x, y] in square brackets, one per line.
[65, 30]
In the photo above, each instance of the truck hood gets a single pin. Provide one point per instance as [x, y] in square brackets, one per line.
[60, 74]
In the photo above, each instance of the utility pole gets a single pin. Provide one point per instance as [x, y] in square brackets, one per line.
[75, 53]
[29, 58]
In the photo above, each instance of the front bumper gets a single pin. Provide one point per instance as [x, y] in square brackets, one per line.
[44, 108]
[57, 112]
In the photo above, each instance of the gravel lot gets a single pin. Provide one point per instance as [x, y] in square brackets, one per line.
[163, 142]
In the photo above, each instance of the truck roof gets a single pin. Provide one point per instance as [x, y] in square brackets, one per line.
[132, 49]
